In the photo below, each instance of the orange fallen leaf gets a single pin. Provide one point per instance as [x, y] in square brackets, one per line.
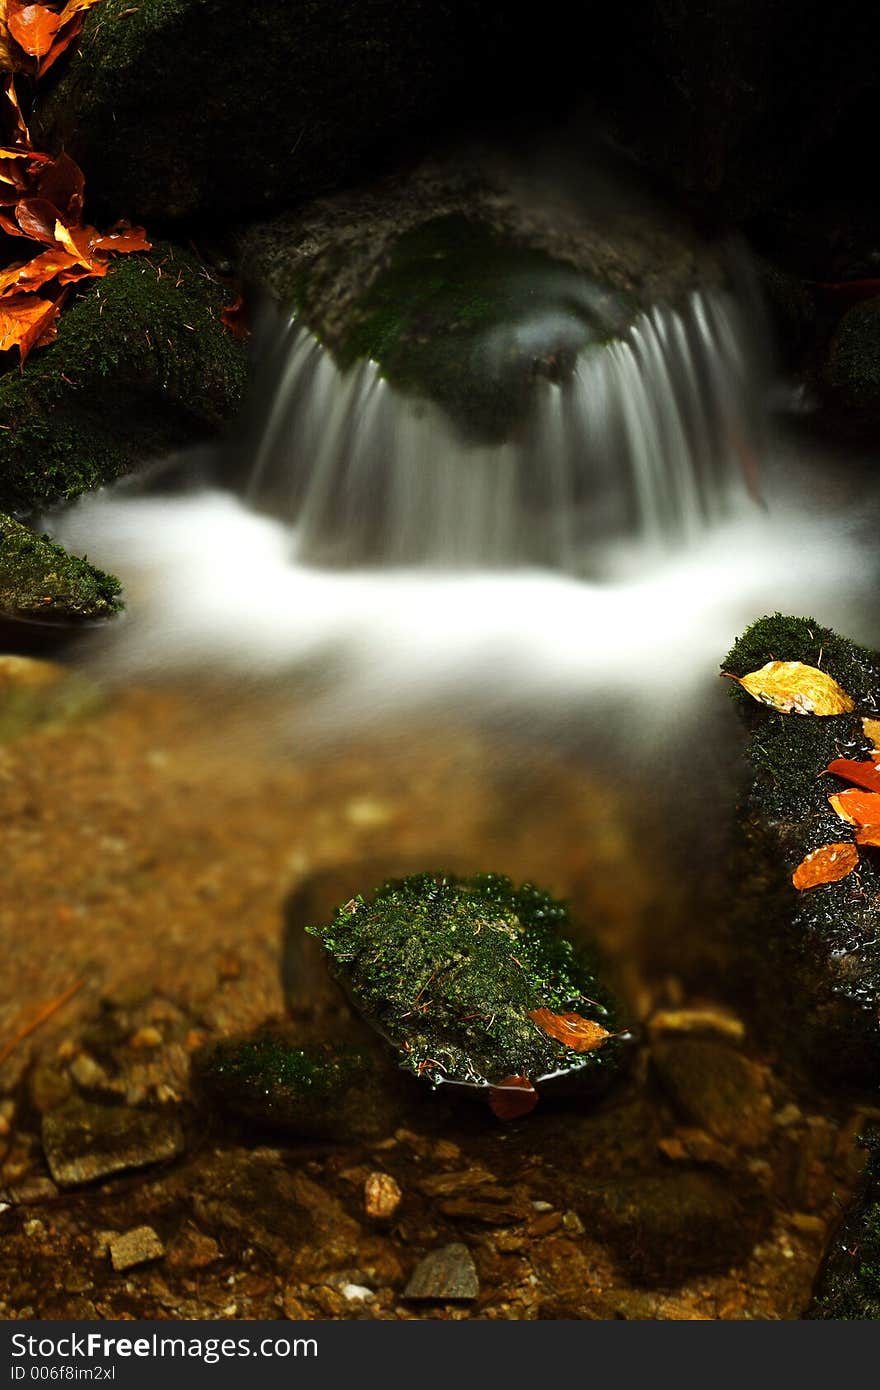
[862, 773]
[512, 1097]
[857, 807]
[33, 27]
[795, 688]
[26, 276]
[578, 1033]
[868, 835]
[826, 864]
[27, 321]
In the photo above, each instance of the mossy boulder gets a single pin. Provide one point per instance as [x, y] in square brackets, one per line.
[851, 374]
[142, 365]
[330, 1091]
[848, 1284]
[41, 582]
[464, 977]
[812, 957]
[178, 108]
[467, 288]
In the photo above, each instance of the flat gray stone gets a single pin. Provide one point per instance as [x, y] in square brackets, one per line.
[446, 1275]
[84, 1142]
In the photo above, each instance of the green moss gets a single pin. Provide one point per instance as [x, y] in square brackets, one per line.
[852, 371]
[469, 318]
[141, 365]
[448, 969]
[848, 1286]
[39, 580]
[269, 1081]
[818, 952]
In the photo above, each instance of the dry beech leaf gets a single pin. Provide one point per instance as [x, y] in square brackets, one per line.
[793, 688]
[826, 864]
[578, 1033]
[857, 807]
[27, 321]
[512, 1097]
[871, 730]
[862, 773]
[868, 835]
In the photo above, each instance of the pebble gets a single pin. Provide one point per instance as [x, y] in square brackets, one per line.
[87, 1073]
[789, 1115]
[357, 1292]
[147, 1037]
[138, 1246]
[382, 1196]
[446, 1275]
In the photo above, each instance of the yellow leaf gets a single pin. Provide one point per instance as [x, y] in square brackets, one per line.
[793, 688]
[826, 864]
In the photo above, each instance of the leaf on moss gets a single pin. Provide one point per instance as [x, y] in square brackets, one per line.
[857, 807]
[794, 688]
[861, 773]
[826, 864]
[578, 1033]
[27, 321]
[871, 730]
[512, 1097]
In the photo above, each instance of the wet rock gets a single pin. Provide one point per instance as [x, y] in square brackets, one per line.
[716, 1089]
[144, 345]
[458, 974]
[83, 1142]
[250, 1198]
[851, 374]
[341, 78]
[848, 1284]
[382, 1196]
[329, 1092]
[809, 960]
[139, 1246]
[448, 1275]
[664, 1228]
[707, 1020]
[41, 582]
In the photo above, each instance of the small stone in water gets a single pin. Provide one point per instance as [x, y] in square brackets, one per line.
[84, 1142]
[446, 1275]
[357, 1292]
[136, 1247]
[382, 1196]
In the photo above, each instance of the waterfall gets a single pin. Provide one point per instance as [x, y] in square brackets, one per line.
[649, 439]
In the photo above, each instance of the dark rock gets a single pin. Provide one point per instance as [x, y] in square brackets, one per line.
[664, 1228]
[39, 581]
[809, 960]
[143, 346]
[322, 1092]
[451, 970]
[851, 374]
[244, 116]
[85, 1142]
[848, 1284]
[717, 1089]
[448, 1275]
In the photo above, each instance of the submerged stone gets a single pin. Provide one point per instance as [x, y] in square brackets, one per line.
[319, 1092]
[448, 1275]
[474, 985]
[812, 955]
[85, 1142]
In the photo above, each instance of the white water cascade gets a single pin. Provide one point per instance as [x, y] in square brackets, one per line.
[649, 439]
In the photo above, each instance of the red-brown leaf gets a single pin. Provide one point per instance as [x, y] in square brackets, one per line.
[123, 237]
[235, 318]
[512, 1097]
[579, 1033]
[62, 184]
[863, 773]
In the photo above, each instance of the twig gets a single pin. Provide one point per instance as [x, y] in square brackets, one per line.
[44, 1014]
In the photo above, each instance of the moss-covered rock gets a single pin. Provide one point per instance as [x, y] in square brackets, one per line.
[815, 954]
[39, 581]
[318, 1092]
[851, 375]
[452, 972]
[182, 107]
[141, 365]
[848, 1284]
[467, 288]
